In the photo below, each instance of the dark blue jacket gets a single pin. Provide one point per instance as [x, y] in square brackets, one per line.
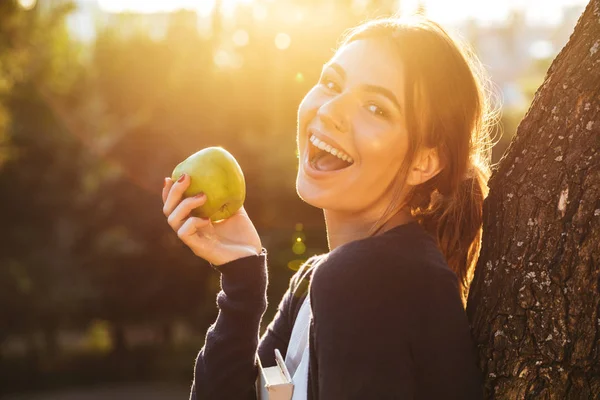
[388, 323]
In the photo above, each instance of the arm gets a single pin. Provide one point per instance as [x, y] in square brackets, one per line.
[391, 332]
[226, 367]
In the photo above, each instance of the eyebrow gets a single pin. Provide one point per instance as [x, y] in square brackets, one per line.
[367, 87]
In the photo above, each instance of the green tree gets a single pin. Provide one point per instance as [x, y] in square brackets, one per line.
[39, 179]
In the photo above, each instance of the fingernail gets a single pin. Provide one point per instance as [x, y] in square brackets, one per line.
[199, 195]
[181, 178]
[166, 181]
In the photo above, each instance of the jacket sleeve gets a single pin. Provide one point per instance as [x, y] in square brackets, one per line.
[391, 333]
[278, 332]
[226, 366]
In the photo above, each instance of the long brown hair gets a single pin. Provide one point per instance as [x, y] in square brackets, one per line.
[448, 107]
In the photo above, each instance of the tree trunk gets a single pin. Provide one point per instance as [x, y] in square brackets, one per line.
[534, 300]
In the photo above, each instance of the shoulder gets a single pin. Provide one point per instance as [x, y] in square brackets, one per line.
[403, 252]
[392, 284]
[299, 282]
[391, 272]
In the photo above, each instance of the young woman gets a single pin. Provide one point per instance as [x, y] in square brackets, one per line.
[394, 147]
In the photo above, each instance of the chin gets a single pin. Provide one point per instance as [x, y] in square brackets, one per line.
[309, 192]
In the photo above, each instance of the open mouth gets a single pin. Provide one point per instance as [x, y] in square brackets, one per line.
[324, 157]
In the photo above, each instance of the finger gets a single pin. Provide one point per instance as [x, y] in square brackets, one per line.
[175, 194]
[183, 210]
[166, 188]
[190, 228]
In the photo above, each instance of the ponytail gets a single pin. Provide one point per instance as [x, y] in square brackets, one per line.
[455, 220]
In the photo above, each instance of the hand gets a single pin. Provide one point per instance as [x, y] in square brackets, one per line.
[216, 242]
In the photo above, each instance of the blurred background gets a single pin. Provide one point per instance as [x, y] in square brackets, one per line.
[100, 99]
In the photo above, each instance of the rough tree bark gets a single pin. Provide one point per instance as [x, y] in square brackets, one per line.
[534, 300]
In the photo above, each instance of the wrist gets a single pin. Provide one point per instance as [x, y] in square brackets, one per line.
[242, 254]
[245, 277]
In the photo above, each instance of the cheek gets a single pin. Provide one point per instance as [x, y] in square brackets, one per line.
[308, 107]
[382, 154]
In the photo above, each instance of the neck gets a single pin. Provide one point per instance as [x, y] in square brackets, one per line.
[343, 228]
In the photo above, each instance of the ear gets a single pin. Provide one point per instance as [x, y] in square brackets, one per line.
[425, 166]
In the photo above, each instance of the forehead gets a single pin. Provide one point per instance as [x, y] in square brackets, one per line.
[371, 61]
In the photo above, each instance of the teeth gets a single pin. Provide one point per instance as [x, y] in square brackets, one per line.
[330, 149]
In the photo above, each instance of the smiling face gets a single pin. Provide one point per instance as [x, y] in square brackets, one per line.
[358, 104]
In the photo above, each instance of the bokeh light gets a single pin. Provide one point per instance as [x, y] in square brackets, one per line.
[27, 4]
[294, 265]
[226, 59]
[260, 12]
[299, 248]
[299, 237]
[222, 58]
[240, 38]
[282, 41]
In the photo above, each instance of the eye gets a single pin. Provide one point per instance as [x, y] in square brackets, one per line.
[375, 109]
[329, 84]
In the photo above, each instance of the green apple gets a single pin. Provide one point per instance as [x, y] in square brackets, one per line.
[217, 174]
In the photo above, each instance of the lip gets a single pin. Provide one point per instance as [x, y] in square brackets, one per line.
[315, 173]
[326, 139]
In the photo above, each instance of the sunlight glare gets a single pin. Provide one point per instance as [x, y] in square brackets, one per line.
[27, 4]
[440, 10]
[202, 7]
[548, 11]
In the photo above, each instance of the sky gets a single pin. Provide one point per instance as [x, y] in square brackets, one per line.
[537, 11]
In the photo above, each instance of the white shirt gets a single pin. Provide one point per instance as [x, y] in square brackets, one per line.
[296, 358]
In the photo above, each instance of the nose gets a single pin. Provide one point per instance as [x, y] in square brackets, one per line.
[333, 114]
